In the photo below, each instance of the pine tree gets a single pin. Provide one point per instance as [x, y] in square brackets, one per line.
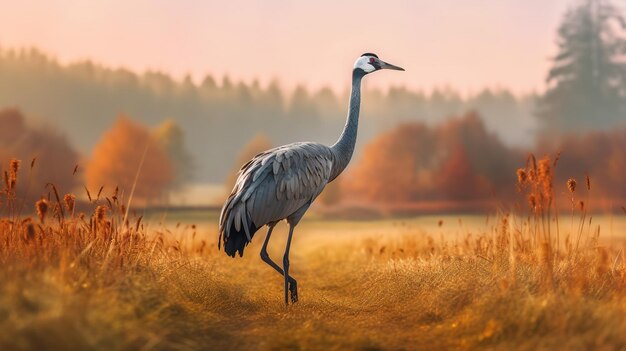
[587, 82]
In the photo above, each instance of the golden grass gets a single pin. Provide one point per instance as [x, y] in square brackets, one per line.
[92, 281]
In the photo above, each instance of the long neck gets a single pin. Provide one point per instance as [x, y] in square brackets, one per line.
[344, 147]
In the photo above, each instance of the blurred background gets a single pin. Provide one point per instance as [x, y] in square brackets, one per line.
[192, 90]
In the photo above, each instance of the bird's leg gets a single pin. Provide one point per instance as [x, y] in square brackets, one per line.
[293, 285]
[294, 298]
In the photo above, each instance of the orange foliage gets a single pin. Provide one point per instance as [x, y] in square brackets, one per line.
[458, 160]
[459, 181]
[117, 157]
[388, 170]
[601, 155]
[55, 161]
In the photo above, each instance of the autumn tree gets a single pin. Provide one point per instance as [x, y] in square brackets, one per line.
[601, 155]
[125, 150]
[55, 158]
[389, 169]
[254, 147]
[458, 160]
[484, 151]
[172, 140]
[458, 180]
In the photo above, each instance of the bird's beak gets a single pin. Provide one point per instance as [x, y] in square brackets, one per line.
[385, 65]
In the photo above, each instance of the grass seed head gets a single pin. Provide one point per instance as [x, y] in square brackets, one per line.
[571, 185]
[30, 232]
[12, 183]
[14, 166]
[41, 207]
[522, 176]
[70, 200]
[100, 213]
[545, 175]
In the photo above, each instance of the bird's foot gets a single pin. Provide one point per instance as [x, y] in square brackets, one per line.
[293, 291]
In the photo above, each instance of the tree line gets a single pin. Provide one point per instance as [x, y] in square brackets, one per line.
[410, 136]
[129, 157]
[218, 116]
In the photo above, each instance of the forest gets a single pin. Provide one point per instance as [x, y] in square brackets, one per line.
[439, 148]
[219, 116]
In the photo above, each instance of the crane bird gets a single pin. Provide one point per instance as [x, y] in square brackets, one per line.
[281, 183]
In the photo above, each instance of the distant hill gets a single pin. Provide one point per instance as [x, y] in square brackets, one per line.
[83, 99]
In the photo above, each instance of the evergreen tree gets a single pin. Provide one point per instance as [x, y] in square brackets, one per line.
[587, 82]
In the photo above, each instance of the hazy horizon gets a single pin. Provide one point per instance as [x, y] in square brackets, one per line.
[448, 126]
[310, 44]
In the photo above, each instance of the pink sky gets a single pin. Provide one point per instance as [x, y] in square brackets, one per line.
[467, 44]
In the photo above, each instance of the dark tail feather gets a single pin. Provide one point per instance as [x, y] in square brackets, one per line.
[235, 241]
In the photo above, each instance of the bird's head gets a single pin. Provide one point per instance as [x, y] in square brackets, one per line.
[369, 63]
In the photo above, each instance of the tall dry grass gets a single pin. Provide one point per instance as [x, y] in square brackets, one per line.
[73, 279]
[67, 273]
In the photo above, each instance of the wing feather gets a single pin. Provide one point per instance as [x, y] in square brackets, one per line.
[276, 184]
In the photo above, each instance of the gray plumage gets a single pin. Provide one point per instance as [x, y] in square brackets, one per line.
[274, 185]
[283, 182]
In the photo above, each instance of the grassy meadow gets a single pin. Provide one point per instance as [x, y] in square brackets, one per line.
[98, 278]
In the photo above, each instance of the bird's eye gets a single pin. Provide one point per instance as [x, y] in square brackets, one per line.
[372, 60]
